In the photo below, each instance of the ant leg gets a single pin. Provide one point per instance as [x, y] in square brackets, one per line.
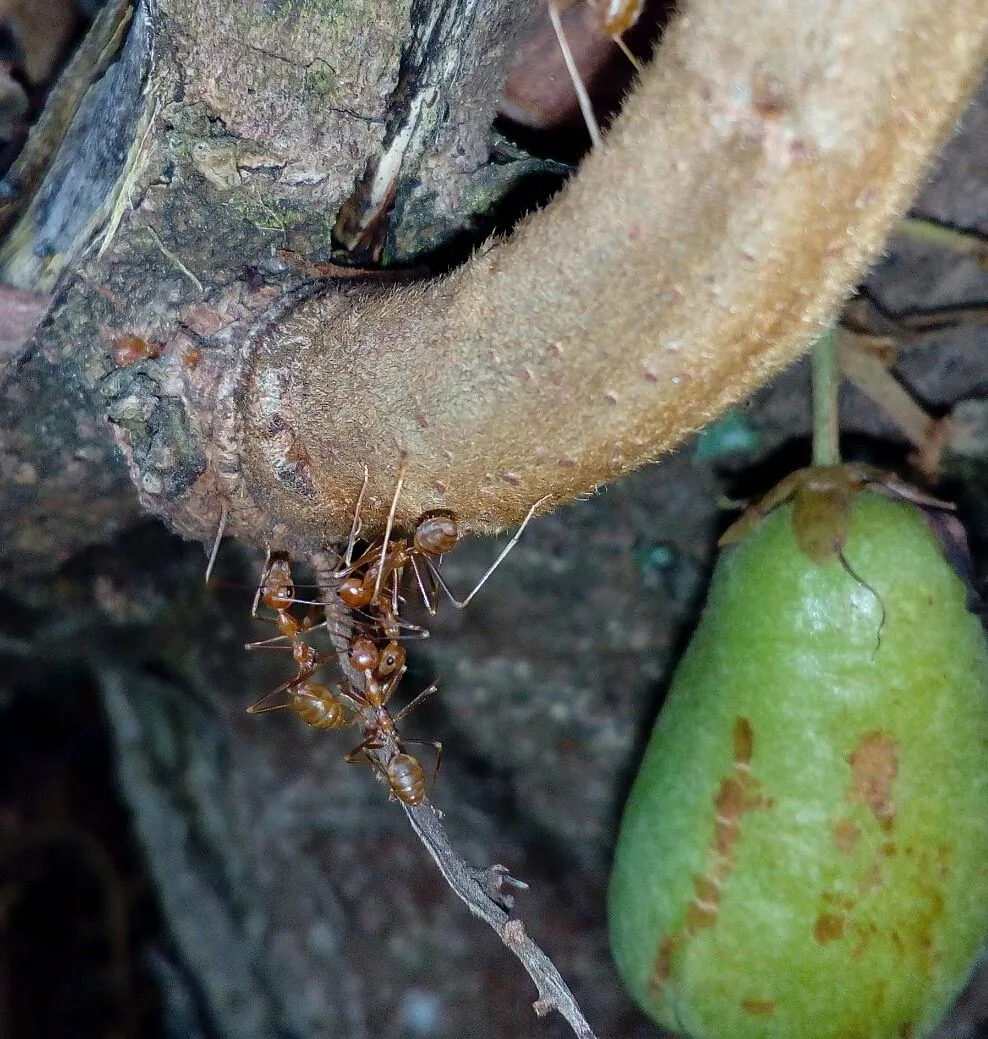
[427, 599]
[270, 643]
[224, 514]
[615, 22]
[260, 586]
[387, 530]
[275, 700]
[586, 108]
[626, 51]
[409, 707]
[355, 525]
[373, 742]
[438, 748]
[462, 603]
[395, 579]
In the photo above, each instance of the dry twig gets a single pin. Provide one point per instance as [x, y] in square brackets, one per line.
[482, 890]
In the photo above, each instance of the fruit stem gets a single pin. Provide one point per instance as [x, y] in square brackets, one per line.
[826, 381]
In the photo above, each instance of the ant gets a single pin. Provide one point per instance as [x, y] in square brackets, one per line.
[277, 592]
[364, 655]
[403, 773]
[382, 564]
[614, 19]
[316, 704]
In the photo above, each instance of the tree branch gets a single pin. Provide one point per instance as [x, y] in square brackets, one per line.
[743, 190]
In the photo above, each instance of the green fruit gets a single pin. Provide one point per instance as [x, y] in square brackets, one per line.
[804, 853]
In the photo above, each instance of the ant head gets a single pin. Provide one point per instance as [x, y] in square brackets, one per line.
[364, 655]
[392, 658]
[436, 533]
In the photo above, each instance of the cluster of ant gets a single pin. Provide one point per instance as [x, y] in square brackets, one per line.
[367, 587]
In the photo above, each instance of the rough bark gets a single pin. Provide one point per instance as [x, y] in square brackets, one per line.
[202, 138]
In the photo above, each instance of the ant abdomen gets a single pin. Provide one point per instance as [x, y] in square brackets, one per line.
[354, 593]
[317, 706]
[436, 533]
[618, 16]
[406, 777]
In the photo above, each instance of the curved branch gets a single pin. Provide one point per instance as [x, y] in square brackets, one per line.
[747, 184]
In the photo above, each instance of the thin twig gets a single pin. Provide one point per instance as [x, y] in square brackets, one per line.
[481, 890]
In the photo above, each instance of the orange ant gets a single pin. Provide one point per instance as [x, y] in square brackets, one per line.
[382, 671]
[403, 773]
[364, 655]
[382, 564]
[316, 704]
[277, 592]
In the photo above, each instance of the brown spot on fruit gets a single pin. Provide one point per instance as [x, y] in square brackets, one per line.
[757, 1006]
[828, 928]
[662, 964]
[847, 833]
[700, 915]
[872, 878]
[702, 911]
[874, 765]
[743, 741]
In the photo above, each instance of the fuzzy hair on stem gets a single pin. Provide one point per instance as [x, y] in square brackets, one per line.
[751, 178]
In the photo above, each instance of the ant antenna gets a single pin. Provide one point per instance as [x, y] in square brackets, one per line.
[356, 525]
[387, 529]
[462, 604]
[224, 513]
[619, 16]
[586, 108]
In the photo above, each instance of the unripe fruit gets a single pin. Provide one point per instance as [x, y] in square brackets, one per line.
[804, 853]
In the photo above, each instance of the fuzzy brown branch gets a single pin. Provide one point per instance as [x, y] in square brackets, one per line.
[750, 179]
